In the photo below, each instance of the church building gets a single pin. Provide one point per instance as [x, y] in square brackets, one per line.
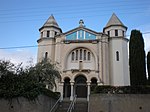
[86, 57]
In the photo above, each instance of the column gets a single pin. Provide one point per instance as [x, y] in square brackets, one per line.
[100, 61]
[88, 90]
[72, 84]
[61, 85]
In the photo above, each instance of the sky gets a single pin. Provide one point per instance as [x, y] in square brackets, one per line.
[20, 21]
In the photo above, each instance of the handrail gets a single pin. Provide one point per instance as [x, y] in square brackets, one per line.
[71, 106]
[55, 104]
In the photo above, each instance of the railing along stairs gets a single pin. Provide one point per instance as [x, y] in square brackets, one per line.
[55, 105]
[72, 104]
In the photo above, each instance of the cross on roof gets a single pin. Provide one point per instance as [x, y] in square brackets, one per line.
[81, 22]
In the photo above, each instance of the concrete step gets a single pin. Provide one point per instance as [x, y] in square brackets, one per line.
[63, 106]
[81, 105]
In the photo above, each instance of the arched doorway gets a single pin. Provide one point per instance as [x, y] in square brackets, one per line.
[93, 83]
[80, 86]
[67, 88]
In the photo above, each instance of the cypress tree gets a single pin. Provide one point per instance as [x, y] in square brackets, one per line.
[137, 59]
[148, 66]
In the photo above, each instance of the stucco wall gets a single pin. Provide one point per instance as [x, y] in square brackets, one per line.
[119, 103]
[119, 71]
[42, 104]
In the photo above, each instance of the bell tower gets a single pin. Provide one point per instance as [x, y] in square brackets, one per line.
[119, 66]
[48, 31]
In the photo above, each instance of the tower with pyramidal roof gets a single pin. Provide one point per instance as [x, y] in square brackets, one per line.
[86, 58]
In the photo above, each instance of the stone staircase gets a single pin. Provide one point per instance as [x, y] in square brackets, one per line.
[63, 106]
[81, 105]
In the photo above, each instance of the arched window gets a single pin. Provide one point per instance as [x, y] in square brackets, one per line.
[48, 33]
[67, 87]
[108, 32]
[89, 56]
[80, 54]
[46, 55]
[116, 32]
[76, 54]
[55, 33]
[93, 83]
[41, 34]
[117, 56]
[123, 33]
[72, 57]
[84, 54]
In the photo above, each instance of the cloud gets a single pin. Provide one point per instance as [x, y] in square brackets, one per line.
[147, 42]
[18, 56]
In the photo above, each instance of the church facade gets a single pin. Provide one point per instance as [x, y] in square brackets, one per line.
[86, 58]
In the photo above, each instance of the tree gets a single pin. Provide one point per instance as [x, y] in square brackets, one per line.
[148, 66]
[29, 82]
[137, 59]
[46, 73]
[6, 67]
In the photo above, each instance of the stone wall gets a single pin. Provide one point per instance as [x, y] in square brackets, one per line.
[42, 104]
[119, 103]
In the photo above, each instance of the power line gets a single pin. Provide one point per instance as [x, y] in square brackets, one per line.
[72, 10]
[83, 8]
[78, 16]
[67, 12]
[146, 33]
[31, 46]
[81, 4]
[16, 47]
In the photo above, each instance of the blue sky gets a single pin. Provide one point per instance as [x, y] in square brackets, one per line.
[20, 20]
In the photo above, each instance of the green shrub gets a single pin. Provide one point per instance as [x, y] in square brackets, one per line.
[123, 89]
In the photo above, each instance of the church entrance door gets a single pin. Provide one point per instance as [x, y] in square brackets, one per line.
[80, 86]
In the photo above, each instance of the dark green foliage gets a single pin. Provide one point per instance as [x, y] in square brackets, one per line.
[45, 73]
[148, 66]
[18, 82]
[137, 59]
[12, 85]
[123, 89]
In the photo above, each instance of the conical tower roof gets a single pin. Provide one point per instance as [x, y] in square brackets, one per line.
[114, 21]
[51, 22]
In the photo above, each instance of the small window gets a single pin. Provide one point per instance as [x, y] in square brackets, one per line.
[55, 33]
[89, 56]
[72, 56]
[46, 55]
[123, 33]
[108, 33]
[76, 54]
[41, 34]
[84, 54]
[117, 56]
[47, 33]
[116, 32]
[80, 54]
